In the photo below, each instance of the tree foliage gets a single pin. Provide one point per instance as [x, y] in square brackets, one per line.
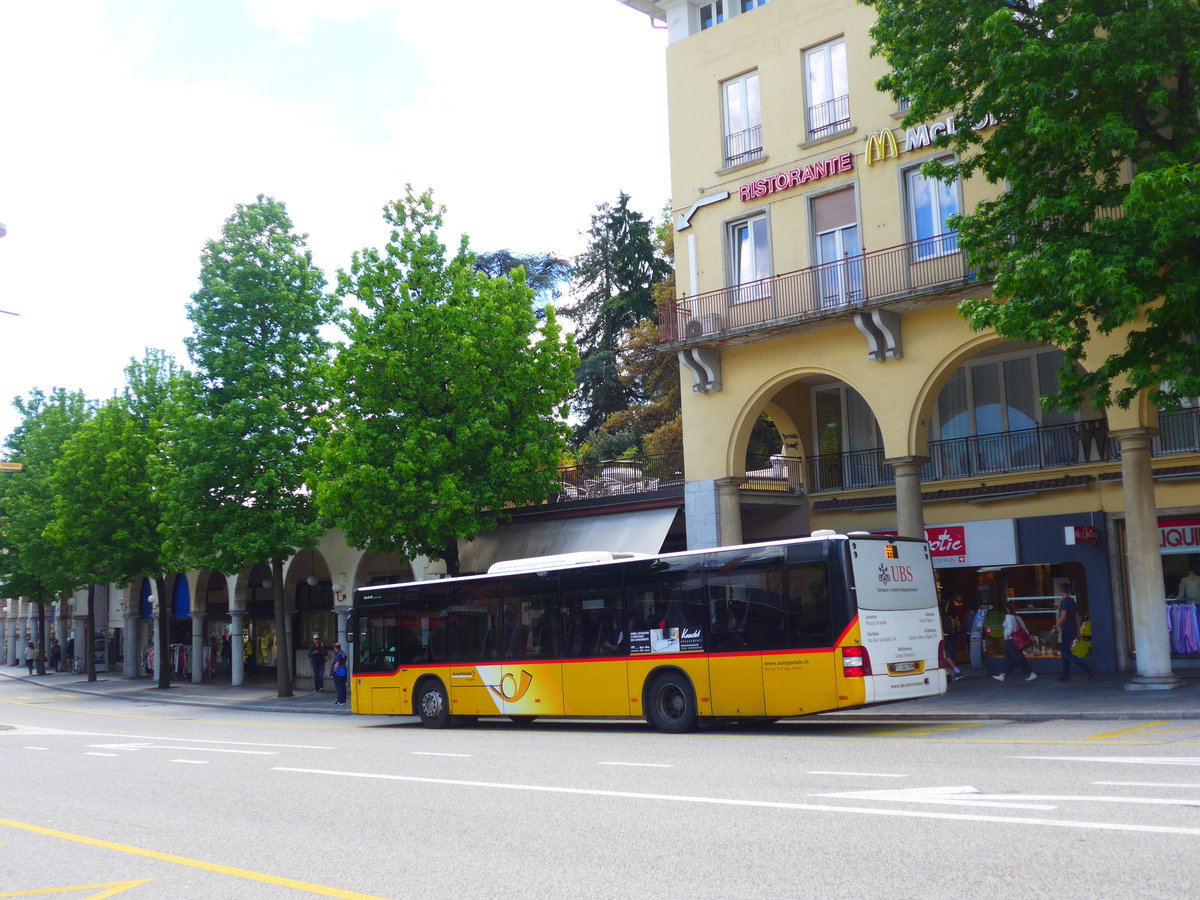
[241, 435]
[1086, 93]
[615, 278]
[545, 273]
[449, 402]
[108, 493]
[33, 563]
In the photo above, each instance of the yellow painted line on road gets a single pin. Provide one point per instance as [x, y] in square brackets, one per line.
[217, 868]
[112, 889]
[1143, 727]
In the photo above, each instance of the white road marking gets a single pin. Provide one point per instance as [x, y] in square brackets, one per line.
[1133, 760]
[761, 804]
[149, 746]
[1166, 784]
[644, 765]
[949, 796]
[969, 796]
[857, 774]
[194, 762]
[92, 753]
[37, 748]
[430, 753]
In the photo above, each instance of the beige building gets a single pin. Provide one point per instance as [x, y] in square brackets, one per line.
[818, 284]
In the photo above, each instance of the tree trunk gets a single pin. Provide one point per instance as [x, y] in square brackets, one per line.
[89, 638]
[283, 647]
[162, 665]
[450, 557]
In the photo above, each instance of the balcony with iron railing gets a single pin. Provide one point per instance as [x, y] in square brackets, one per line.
[619, 478]
[1024, 450]
[828, 117]
[917, 268]
[743, 146]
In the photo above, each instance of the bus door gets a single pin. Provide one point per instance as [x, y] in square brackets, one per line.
[530, 678]
[473, 629]
[744, 618]
[595, 677]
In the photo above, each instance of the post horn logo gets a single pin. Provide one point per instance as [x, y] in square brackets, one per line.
[509, 689]
[880, 145]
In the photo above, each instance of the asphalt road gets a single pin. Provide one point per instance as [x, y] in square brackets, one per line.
[114, 798]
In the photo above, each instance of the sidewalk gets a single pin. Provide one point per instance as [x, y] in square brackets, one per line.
[975, 697]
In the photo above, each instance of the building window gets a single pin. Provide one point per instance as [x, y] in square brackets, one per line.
[747, 5]
[989, 413]
[847, 440]
[712, 14]
[750, 259]
[743, 119]
[828, 89]
[930, 204]
[838, 250]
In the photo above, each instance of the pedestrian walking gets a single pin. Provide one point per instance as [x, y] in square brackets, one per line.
[952, 630]
[339, 674]
[30, 655]
[55, 655]
[1068, 625]
[317, 654]
[1014, 646]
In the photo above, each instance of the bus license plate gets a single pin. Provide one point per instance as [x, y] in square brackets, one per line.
[899, 668]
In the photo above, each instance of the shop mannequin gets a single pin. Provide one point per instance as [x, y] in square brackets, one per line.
[1189, 586]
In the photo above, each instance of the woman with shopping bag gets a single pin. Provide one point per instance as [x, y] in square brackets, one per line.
[1016, 640]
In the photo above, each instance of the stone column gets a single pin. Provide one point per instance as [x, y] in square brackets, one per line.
[729, 510]
[237, 650]
[197, 647]
[156, 642]
[130, 637]
[1147, 594]
[910, 516]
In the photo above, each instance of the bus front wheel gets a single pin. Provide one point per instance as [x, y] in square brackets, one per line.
[433, 706]
[672, 704]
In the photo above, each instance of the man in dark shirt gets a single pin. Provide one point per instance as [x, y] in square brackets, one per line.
[1068, 630]
[316, 656]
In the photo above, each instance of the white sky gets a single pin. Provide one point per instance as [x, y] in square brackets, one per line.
[130, 128]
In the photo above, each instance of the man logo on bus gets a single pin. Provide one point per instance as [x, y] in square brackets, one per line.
[509, 690]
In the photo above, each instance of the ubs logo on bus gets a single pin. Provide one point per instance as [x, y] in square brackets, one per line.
[898, 574]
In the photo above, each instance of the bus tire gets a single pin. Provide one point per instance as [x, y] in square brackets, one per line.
[432, 703]
[671, 704]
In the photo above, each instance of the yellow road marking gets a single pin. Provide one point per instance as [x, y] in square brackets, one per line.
[113, 888]
[1109, 734]
[231, 871]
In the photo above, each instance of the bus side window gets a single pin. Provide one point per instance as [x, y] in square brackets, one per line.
[810, 620]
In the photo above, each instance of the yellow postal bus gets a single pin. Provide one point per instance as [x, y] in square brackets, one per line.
[760, 631]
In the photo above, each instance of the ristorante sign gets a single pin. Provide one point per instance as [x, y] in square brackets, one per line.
[782, 181]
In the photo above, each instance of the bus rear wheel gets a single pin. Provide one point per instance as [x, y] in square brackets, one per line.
[432, 704]
[671, 705]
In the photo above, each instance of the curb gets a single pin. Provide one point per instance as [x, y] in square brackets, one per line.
[144, 695]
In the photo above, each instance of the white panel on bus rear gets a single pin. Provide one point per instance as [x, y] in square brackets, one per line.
[898, 618]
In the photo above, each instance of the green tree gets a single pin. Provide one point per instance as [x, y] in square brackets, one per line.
[615, 278]
[239, 439]
[108, 493]
[544, 273]
[1084, 93]
[34, 564]
[449, 403]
